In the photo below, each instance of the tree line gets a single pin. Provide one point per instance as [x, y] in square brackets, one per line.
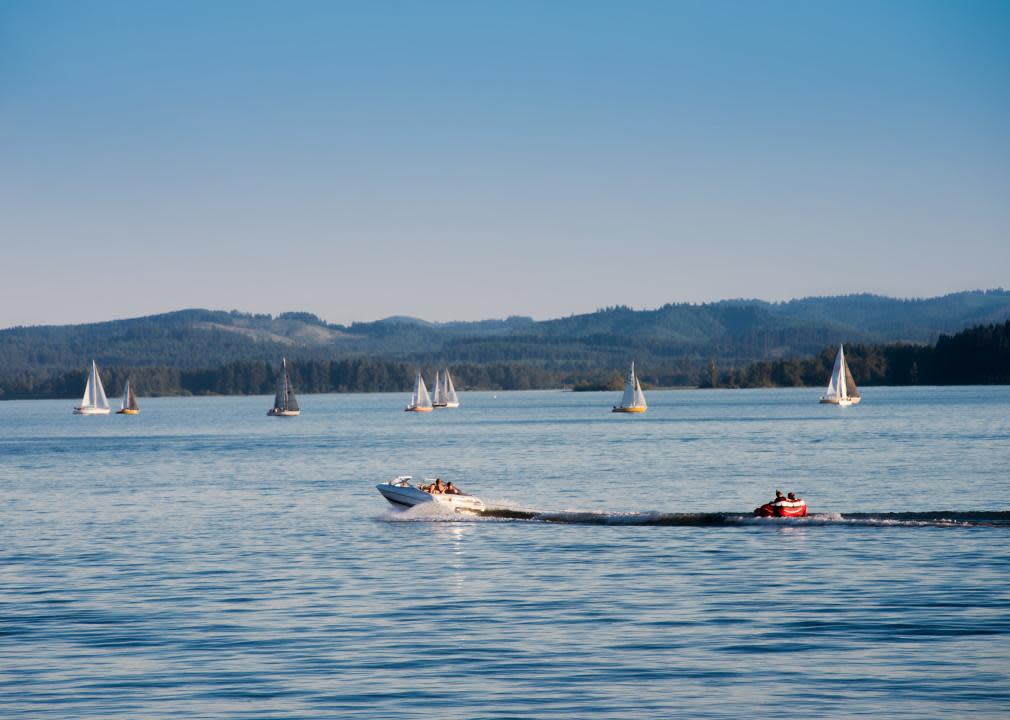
[977, 356]
[259, 378]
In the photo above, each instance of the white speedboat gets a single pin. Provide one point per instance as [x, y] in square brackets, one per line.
[400, 493]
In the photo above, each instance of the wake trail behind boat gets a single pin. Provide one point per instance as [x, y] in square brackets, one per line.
[938, 518]
[602, 518]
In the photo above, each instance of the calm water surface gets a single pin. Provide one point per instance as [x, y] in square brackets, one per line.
[204, 560]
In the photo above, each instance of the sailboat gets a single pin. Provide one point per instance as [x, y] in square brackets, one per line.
[129, 406]
[633, 400]
[94, 401]
[842, 388]
[420, 401]
[285, 404]
[445, 392]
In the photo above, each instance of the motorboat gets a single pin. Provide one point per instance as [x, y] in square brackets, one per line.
[402, 494]
[783, 508]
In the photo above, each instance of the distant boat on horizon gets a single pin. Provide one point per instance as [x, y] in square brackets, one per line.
[633, 400]
[94, 401]
[285, 402]
[420, 401]
[842, 388]
[129, 406]
[445, 392]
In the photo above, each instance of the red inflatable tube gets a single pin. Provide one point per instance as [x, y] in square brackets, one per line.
[785, 508]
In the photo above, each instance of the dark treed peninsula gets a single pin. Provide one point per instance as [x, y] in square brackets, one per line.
[963, 338]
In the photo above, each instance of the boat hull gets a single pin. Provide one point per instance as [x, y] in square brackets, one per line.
[783, 509]
[274, 412]
[417, 409]
[400, 494]
[629, 409]
[128, 412]
[91, 411]
[446, 405]
[840, 402]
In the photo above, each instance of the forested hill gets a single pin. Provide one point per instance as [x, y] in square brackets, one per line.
[671, 342]
[975, 356]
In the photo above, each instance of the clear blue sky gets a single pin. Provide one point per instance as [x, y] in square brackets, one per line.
[460, 160]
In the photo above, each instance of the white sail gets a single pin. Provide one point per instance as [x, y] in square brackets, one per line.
[126, 396]
[639, 395]
[420, 397]
[451, 398]
[89, 392]
[834, 384]
[94, 401]
[841, 388]
[439, 397]
[633, 398]
[99, 400]
[628, 399]
[843, 391]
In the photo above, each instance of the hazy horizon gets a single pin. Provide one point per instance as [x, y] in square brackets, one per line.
[462, 161]
[585, 311]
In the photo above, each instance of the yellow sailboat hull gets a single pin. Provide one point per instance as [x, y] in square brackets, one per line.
[629, 409]
[418, 409]
[128, 412]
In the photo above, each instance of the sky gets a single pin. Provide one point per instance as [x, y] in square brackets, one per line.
[467, 160]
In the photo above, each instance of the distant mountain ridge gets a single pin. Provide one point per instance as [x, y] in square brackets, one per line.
[675, 336]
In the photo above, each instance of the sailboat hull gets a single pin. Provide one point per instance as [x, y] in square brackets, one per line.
[128, 411]
[629, 409]
[417, 408]
[274, 412]
[841, 402]
[91, 411]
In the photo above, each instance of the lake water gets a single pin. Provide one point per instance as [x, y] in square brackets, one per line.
[204, 560]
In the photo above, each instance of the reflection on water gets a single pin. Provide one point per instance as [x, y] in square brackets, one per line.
[203, 560]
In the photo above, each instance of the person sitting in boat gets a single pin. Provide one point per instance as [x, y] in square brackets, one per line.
[451, 489]
[795, 501]
[771, 508]
[792, 507]
[438, 488]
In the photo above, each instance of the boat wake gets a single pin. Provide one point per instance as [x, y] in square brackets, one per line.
[431, 512]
